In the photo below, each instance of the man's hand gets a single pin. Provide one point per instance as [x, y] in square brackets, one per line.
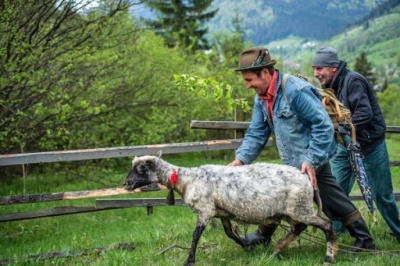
[236, 163]
[306, 168]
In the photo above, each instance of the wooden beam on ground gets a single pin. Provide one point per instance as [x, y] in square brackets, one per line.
[34, 198]
[117, 152]
[101, 205]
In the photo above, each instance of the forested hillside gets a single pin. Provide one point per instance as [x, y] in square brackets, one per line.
[263, 21]
[379, 38]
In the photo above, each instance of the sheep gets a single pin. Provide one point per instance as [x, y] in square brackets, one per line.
[260, 194]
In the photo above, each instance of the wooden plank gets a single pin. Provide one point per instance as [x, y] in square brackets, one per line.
[34, 198]
[359, 197]
[226, 125]
[101, 205]
[116, 152]
[135, 202]
[393, 129]
[219, 125]
[394, 163]
[45, 213]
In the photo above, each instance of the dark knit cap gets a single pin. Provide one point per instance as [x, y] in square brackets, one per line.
[325, 57]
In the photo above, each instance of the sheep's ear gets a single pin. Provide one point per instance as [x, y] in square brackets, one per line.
[159, 153]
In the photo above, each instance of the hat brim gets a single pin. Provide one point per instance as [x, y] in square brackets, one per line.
[243, 68]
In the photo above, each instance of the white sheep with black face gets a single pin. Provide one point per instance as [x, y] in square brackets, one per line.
[260, 194]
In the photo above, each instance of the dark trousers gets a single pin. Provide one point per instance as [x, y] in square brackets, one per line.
[335, 203]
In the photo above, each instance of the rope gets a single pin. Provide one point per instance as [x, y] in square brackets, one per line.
[311, 238]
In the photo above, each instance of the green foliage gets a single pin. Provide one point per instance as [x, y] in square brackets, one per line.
[390, 104]
[364, 67]
[209, 87]
[102, 83]
[47, 47]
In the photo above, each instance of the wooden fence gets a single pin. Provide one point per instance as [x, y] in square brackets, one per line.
[116, 152]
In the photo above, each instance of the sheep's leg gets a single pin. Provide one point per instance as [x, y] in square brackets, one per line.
[200, 226]
[229, 232]
[289, 238]
[331, 244]
[330, 236]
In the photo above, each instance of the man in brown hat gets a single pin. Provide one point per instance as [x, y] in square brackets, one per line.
[304, 136]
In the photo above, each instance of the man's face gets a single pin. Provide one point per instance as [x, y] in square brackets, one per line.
[259, 83]
[324, 74]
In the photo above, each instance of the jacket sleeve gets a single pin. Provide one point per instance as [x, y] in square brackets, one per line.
[310, 110]
[256, 136]
[359, 103]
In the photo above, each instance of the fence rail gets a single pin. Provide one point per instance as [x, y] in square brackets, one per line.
[35, 198]
[117, 152]
[101, 205]
[223, 125]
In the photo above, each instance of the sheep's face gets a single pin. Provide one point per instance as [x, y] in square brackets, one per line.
[140, 174]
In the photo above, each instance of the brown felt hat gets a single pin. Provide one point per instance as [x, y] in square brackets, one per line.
[255, 58]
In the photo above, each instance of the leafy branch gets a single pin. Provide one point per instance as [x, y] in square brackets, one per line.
[209, 87]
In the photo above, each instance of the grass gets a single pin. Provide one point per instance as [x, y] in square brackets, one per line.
[167, 226]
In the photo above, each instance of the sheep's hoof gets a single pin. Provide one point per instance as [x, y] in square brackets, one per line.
[245, 244]
[248, 247]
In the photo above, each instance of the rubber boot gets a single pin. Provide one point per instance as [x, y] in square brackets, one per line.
[358, 229]
[261, 236]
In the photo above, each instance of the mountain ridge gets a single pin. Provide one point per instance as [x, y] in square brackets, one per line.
[314, 19]
[262, 21]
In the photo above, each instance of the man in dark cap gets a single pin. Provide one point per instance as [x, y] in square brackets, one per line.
[355, 92]
[304, 137]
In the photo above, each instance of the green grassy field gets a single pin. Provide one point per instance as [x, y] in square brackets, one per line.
[166, 227]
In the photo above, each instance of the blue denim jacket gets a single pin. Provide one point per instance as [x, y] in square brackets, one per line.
[302, 128]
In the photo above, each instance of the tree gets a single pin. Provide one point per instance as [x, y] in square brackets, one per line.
[47, 68]
[364, 67]
[180, 22]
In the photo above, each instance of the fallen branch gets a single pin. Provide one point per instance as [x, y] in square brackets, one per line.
[177, 246]
[68, 254]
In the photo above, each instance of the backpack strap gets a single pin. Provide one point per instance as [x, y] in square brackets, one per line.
[283, 88]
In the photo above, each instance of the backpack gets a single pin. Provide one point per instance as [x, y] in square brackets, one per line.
[337, 111]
